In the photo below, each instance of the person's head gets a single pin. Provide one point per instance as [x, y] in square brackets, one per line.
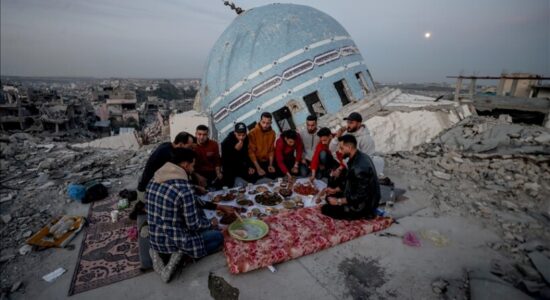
[354, 122]
[265, 121]
[201, 134]
[289, 137]
[240, 131]
[183, 140]
[311, 124]
[347, 145]
[325, 135]
[185, 158]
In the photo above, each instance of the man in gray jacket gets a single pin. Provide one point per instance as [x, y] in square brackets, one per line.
[355, 127]
[309, 139]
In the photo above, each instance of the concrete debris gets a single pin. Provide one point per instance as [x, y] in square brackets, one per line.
[6, 218]
[442, 175]
[16, 286]
[125, 141]
[25, 249]
[487, 135]
[440, 286]
[484, 285]
[542, 263]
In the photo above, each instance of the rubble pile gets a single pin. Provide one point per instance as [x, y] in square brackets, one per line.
[33, 189]
[496, 172]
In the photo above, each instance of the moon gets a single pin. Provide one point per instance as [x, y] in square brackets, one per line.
[427, 35]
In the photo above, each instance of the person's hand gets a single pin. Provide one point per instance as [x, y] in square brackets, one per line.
[331, 191]
[201, 180]
[226, 209]
[261, 171]
[336, 172]
[271, 169]
[340, 131]
[239, 145]
[332, 200]
[289, 176]
[294, 170]
[214, 222]
[251, 171]
[219, 175]
[200, 190]
[312, 178]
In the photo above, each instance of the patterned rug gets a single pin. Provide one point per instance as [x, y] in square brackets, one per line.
[294, 234]
[106, 255]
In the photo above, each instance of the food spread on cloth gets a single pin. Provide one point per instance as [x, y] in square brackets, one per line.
[259, 201]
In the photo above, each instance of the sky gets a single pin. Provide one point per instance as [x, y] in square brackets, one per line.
[172, 38]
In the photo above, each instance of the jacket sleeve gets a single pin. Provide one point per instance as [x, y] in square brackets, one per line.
[192, 217]
[315, 158]
[279, 145]
[226, 152]
[271, 151]
[252, 147]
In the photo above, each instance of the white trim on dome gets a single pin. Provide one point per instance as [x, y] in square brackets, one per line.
[280, 60]
[297, 88]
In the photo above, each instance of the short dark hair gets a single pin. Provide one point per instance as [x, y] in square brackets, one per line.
[180, 155]
[348, 139]
[311, 118]
[202, 128]
[290, 134]
[324, 132]
[183, 138]
[266, 115]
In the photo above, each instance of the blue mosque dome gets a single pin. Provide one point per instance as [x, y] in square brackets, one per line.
[290, 60]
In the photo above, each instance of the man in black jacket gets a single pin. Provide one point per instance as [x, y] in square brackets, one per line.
[235, 159]
[361, 193]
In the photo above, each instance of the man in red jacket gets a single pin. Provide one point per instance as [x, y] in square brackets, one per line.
[208, 158]
[288, 154]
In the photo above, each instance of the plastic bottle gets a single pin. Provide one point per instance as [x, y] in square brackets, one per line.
[389, 204]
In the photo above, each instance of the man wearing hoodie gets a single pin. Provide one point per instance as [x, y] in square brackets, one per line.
[355, 127]
[177, 223]
[261, 148]
[235, 159]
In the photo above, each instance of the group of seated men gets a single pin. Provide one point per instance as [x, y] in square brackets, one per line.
[178, 171]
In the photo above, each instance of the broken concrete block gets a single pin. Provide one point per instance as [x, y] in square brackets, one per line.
[442, 175]
[6, 218]
[25, 249]
[542, 264]
[543, 138]
[484, 285]
[440, 286]
[529, 272]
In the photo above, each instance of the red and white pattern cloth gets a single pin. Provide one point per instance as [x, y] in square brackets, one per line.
[293, 234]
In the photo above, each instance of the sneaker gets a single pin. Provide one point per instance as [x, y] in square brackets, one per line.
[158, 265]
[170, 267]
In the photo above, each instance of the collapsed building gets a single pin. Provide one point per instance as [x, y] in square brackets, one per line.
[42, 110]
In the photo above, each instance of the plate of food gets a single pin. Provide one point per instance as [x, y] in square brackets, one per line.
[305, 189]
[245, 202]
[268, 199]
[228, 197]
[262, 189]
[248, 229]
[289, 204]
[285, 192]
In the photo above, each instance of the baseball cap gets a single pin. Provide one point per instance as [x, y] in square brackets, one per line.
[354, 116]
[240, 128]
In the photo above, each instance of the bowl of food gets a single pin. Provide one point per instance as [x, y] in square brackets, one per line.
[305, 189]
[268, 199]
[248, 229]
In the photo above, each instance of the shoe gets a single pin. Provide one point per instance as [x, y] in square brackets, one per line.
[158, 265]
[170, 267]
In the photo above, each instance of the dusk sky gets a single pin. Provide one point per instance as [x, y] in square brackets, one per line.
[172, 39]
